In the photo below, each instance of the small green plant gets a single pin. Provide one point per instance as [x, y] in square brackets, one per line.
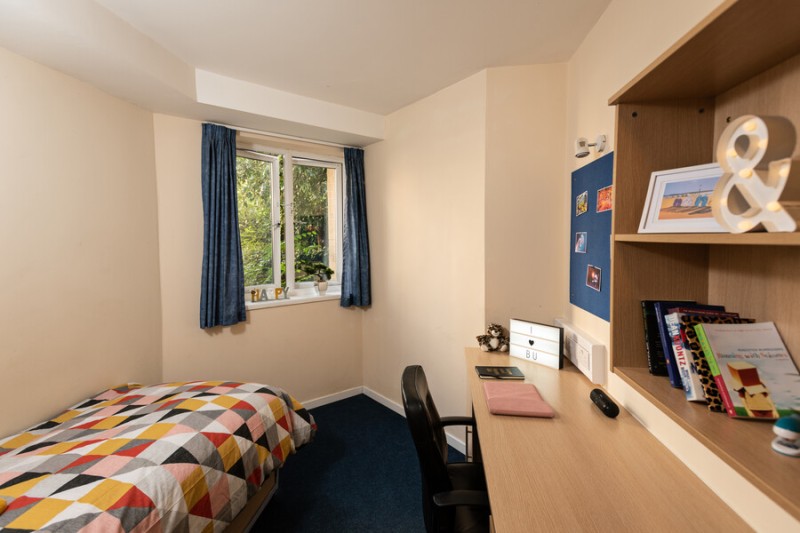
[320, 271]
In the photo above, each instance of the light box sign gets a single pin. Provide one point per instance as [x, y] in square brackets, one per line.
[538, 343]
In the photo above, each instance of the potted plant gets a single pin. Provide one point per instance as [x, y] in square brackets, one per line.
[321, 272]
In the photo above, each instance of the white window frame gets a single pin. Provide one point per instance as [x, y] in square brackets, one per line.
[289, 159]
[275, 209]
[289, 201]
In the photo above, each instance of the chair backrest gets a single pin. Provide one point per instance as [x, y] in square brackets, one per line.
[429, 439]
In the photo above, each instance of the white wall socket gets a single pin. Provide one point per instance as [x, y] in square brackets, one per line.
[585, 353]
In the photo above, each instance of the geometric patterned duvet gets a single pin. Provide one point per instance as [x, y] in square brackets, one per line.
[172, 457]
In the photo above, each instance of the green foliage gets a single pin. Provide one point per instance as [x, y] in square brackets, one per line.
[253, 182]
[311, 225]
[320, 271]
[310, 218]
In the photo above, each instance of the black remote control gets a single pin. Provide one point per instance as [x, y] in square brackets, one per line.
[604, 403]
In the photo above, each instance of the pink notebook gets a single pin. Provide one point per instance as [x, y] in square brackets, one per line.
[518, 399]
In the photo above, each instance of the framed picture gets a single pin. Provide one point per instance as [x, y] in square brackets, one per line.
[580, 242]
[594, 277]
[581, 203]
[604, 199]
[679, 201]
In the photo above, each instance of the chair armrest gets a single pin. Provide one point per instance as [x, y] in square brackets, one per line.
[470, 498]
[458, 421]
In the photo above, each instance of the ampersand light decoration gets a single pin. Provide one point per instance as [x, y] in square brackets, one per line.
[755, 156]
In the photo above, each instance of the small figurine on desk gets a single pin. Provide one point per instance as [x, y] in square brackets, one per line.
[495, 339]
[787, 430]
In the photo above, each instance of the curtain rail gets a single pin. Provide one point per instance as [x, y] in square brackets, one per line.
[281, 136]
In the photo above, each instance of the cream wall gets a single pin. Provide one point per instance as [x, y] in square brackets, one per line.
[79, 241]
[425, 197]
[628, 37]
[525, 145]
[311, 350]
[460, 220]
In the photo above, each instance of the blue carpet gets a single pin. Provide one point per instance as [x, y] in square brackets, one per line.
[360, 474]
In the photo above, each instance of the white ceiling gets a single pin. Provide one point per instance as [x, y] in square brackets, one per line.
[369, 56]
[373, 55]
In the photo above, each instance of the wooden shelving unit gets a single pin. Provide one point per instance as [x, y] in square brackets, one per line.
[743, 58]
[749, 239]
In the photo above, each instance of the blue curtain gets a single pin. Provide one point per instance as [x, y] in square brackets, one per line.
[355, 244]
[222, 291]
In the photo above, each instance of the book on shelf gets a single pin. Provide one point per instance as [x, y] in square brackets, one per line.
[698, 359]
[662, 310]
[681, 353]
[499, 372]
[755, 374]
[653, 334]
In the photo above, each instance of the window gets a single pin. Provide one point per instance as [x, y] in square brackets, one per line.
[289, 216]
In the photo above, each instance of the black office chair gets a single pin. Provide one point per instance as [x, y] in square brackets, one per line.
[454, 497]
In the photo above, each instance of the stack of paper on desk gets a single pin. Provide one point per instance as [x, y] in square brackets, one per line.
[519, 399]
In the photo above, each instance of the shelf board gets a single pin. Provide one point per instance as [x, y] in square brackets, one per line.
[700, 65]
[743, 444]
[764, 239]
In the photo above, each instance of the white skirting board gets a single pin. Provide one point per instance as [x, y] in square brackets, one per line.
[330, 398]
[455, 442]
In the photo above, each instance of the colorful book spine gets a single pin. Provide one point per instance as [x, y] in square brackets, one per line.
[755, 367]
[689, 379]
[661, 309]
[714, 366]
[692, 384]
[697, 357]
[664, 309]
[656, 362]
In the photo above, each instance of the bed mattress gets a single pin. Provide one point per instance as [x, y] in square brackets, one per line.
[170, 457]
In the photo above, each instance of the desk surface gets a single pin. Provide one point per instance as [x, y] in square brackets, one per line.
[583, 471]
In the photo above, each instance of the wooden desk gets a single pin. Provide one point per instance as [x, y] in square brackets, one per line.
[583, 471]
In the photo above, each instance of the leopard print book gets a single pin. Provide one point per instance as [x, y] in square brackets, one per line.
[698, 359]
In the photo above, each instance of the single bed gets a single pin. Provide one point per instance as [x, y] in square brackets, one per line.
[173, 457]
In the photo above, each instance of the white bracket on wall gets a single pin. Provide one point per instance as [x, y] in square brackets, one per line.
[585, 353]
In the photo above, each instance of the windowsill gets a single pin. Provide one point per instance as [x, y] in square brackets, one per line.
[333, 293]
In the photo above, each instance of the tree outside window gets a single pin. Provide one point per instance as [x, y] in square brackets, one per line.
[269, 194]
